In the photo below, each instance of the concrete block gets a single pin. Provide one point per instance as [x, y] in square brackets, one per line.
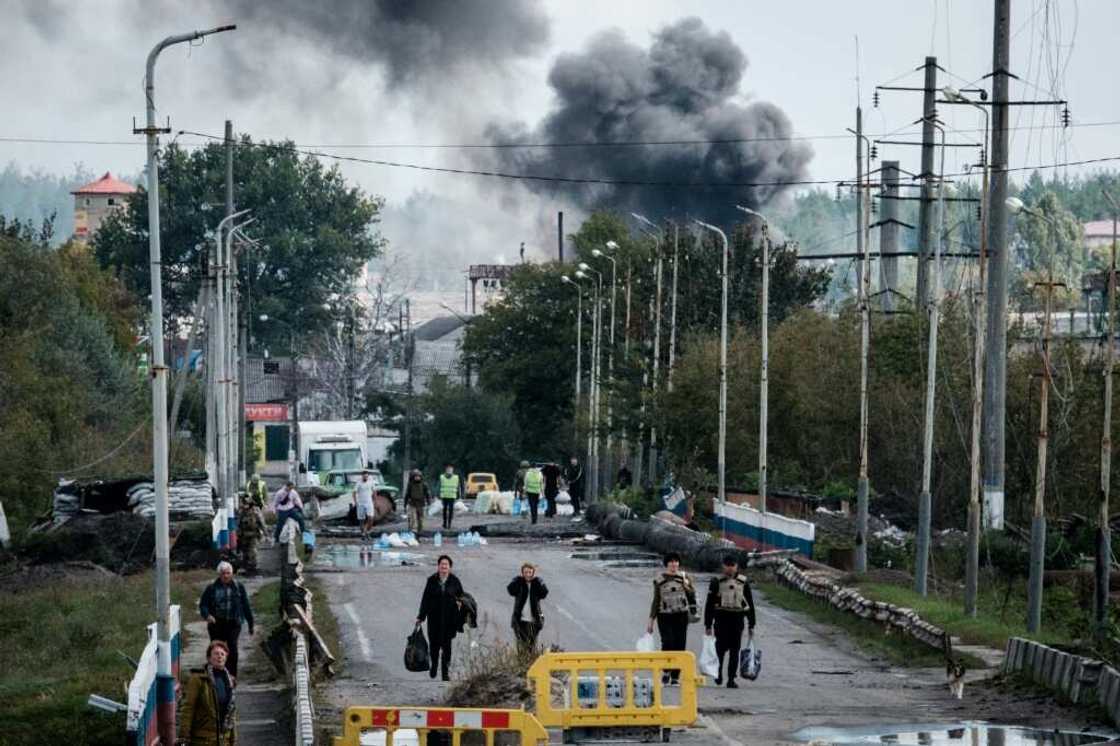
[1021, 650]
[1009, 654]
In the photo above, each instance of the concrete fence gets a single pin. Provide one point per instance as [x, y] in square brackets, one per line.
[1073, 678]
[821, 586]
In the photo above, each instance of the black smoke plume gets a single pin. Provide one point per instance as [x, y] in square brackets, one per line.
[684, 87]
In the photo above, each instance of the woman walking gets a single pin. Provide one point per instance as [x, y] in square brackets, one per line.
[528, 591]
[439, 605]
[207, 716]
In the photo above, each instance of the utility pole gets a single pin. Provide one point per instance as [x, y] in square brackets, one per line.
[888, 232]
[764, 374]
[862, 488]
[921, 566]
[925, 206]
[350, 366]
[995, 392]
[656, 365]
[165, 681]
[1104, 532]
[409, 350]
[673, 310]
[1038, 518]
[560, 236]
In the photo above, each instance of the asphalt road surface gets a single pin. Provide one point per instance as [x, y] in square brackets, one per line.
[812, 676]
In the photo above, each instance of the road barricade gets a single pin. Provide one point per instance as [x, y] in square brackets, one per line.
[454, 726]
[613, 690]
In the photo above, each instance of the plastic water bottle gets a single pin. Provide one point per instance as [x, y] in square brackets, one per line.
[476, 539]
[437, 540]
[459, 539]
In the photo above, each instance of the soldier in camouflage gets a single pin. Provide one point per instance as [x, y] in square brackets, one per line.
[250, 531]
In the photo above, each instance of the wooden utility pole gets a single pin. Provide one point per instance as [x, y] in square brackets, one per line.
[863, 488]
[1104, 531]
[995, 378]
[1038, 519]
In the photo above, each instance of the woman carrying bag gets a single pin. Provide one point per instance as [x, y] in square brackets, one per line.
[439, 605]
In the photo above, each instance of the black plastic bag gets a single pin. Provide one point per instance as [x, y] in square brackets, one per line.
[416, 657]
[750, 661]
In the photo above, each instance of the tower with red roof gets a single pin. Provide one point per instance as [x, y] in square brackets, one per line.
[96, 201]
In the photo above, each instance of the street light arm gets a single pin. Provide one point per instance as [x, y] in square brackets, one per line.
[149, 77]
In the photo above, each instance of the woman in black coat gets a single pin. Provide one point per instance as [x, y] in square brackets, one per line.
[528, 591]
[440, 607]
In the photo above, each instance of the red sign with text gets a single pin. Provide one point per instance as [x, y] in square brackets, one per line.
[266, 412]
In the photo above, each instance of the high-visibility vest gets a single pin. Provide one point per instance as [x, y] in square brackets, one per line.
[534, 481]
[448, 486]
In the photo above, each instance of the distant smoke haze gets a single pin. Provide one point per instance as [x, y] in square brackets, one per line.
[684, 87]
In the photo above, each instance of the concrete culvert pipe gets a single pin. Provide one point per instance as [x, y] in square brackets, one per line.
[637, 531]
[610, 526]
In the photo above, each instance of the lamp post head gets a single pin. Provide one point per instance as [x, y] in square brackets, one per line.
[1015, 205]
[584, 266]
[596, 253]
[756, 213]
[581, 275]
[263, 317]
[952, 94]
[612, 245]
[565, 278]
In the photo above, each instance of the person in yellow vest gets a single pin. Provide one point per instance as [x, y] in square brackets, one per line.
[450, 490]
[534, 483]
[673, 607]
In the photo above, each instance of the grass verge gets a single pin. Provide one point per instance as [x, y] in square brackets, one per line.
[999, 615]
[868, 636]
[59, 643]
[326, 622]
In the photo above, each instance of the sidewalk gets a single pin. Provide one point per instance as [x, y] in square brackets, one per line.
[263, 707]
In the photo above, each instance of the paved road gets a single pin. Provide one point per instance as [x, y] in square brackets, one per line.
[811, 674]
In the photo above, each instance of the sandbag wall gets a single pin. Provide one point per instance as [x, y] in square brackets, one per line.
[822, 587]
[1083, 681]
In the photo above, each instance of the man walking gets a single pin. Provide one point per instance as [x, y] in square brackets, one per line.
[287, 504]
[729, 601]
[250, 531]
[528, 591]
[573, 475]
[416, 499]
[225, 607]
[519, 480]
[363, 499]
[450, 490]
[551, 473]
[674, 605]
[534, 483]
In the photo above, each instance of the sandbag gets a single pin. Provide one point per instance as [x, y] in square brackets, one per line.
[482, 501]
[563, 498]
[416, 657]
[502, 503]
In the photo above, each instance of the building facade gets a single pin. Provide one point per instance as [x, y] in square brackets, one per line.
[96, 201]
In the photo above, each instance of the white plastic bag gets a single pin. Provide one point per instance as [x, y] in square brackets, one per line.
[646, 644]
[435, 508]
[709, 661]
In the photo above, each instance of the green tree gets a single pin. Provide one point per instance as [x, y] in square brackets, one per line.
[470, 428]
[317, 232]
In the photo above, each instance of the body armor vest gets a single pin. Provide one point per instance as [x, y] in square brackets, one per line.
[674, 594]
[731, 594]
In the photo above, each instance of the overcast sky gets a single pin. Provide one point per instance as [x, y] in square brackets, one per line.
[350, 72]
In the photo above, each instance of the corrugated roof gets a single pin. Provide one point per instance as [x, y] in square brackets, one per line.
[1098, 228]
[106, 185]
[437, 328]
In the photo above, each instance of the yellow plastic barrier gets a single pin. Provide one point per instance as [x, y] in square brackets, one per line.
[457, 721]
[614, 690]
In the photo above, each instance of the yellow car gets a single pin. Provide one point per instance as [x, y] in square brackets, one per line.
[480, 481]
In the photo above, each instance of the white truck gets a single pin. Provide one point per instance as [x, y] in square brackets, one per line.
[326, 445]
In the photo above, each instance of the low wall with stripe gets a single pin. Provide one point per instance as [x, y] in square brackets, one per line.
[1073, 678]
[140, 720]
[755, 530]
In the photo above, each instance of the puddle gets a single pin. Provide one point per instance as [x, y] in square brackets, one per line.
[352, 556]
[962, 734]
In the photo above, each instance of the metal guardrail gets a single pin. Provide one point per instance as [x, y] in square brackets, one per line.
[415, 724]
[614, 690]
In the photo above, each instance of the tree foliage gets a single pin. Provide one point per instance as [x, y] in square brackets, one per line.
[317, 232]
[70, 389]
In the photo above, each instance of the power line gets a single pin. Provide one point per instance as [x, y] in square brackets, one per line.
[531, 145]
[602, 180]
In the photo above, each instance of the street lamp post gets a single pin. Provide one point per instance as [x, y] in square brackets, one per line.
[764, 385]
[975, 487]
[579, 340]
[593, 406]
[165, 682]
[1104, 531]
[609, 470]
[722, 453]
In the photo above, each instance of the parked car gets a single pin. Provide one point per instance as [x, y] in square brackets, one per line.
[481, 481]
[334, 494]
